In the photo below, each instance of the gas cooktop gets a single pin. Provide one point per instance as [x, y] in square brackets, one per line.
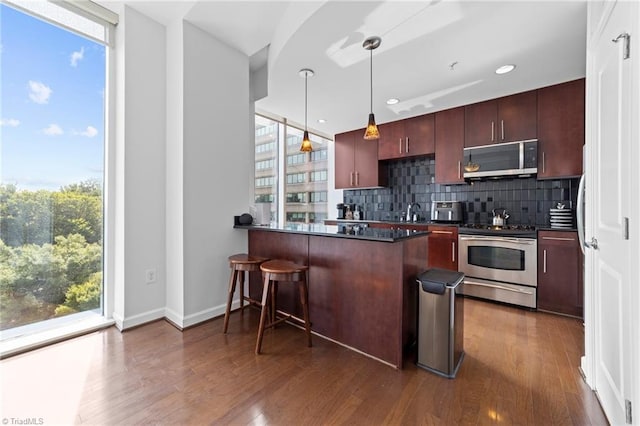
[506, 230]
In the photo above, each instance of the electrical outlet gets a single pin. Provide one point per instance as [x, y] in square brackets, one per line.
[150, 276]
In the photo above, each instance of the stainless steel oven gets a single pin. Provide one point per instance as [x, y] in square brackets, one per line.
[499, 267]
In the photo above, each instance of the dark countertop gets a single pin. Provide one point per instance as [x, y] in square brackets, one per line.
[392, 222]
[341, 231]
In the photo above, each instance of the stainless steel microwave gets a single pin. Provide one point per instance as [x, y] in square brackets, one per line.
[511, 159]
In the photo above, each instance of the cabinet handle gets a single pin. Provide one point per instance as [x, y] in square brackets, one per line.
[442, 232]
[357, 178]
[492, 131]
[558, 239]
[351, 179]
[400, 145]
[406, 144]
[543, 162]
[544, 261]
[502, 128]
[453, 251]
[459, 170]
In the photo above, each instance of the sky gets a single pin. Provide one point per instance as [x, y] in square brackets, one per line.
[51, 104]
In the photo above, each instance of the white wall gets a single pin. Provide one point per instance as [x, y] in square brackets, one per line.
[140, 169]
[217, 168]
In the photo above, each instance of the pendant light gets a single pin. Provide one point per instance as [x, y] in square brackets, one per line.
[371, 132]
[306, 143]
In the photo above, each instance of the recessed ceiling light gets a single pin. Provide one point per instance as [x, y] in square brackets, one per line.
[505, 69]
[321, 120]
[392, 101]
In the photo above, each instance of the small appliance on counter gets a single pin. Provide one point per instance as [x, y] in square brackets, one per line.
[446, 211]
[348, 212]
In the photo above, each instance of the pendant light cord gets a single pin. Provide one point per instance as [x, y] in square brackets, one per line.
[306, 75]
[371, 76]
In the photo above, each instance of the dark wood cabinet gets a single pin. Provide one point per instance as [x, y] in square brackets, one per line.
[443, 247]
[560, 273]
[561, 111]
[356, 164]
[506, 119]
[407, 138]
[449, 144]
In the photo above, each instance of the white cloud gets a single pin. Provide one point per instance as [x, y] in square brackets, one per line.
[90, 132]
[53, 130]
[76, 57]
[40, 92]
[9, 122]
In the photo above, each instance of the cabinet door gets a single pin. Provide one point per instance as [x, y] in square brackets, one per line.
[419, 135]
[449, 141]
[561, 111]
[517, 117]
[480, 123]
[368, 172]
[345, 159]
[560, 276]
[391, 143]
[443, 247]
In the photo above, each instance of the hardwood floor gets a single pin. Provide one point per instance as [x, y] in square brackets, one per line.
[520, 367]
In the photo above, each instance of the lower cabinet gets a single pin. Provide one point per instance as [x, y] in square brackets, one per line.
[443, 247]
[560, 273]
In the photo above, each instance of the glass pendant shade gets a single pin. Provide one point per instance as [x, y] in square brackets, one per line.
[371, 132]
[306, 143]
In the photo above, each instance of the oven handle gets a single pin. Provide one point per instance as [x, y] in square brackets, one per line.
[499, 287]
[498, 239]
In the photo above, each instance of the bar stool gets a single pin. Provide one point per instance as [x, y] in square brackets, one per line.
[282, 270]
[239, 263]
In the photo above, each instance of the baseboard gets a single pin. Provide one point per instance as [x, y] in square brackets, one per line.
[136, 320]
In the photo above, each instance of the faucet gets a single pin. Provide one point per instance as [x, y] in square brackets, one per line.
[409, 212]
[410, 217]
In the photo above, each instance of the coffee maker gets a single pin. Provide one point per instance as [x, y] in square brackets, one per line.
[343, 209]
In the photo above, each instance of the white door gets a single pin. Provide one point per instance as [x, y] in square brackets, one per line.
[609, 189]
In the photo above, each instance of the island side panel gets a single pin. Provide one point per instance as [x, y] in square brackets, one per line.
[356, 295]
[279, 245]
[415, 262]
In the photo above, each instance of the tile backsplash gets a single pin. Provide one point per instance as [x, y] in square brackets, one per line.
[527, 200]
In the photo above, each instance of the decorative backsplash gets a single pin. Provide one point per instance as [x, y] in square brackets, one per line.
[527, 200]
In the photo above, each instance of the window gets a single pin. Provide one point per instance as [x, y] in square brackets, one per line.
[319, 155]
[294, 159]
[296, 217]
[296, 183]
[266, 147]
[265, 182]
[317, 217]
[54, 76]
[318, 197]
[265, 164]
[296, 197]
[318, 176]
[293, 178]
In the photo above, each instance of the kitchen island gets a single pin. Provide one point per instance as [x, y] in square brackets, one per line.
[362, 282]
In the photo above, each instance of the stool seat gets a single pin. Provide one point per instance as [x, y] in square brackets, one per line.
[274, 271]
[239, 264]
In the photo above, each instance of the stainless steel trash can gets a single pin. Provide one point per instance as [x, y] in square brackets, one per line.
[440, 321]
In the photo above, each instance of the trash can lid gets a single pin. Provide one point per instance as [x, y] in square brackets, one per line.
[436, 280]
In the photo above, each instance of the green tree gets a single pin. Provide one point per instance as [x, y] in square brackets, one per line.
[25, 216]
[82, 297]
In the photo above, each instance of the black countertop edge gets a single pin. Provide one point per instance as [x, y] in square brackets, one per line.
[392, 222]
[342, 231]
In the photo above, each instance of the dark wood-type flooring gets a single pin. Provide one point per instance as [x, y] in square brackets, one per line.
[521, 367]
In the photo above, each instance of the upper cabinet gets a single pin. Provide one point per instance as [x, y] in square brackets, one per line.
[407, 138]
[357, 163]
[561, 129]
[506, 119]
[449, 136]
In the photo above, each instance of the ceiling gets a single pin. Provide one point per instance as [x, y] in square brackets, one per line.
[434, 55]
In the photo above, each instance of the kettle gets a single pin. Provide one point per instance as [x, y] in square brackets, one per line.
[500, 217]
